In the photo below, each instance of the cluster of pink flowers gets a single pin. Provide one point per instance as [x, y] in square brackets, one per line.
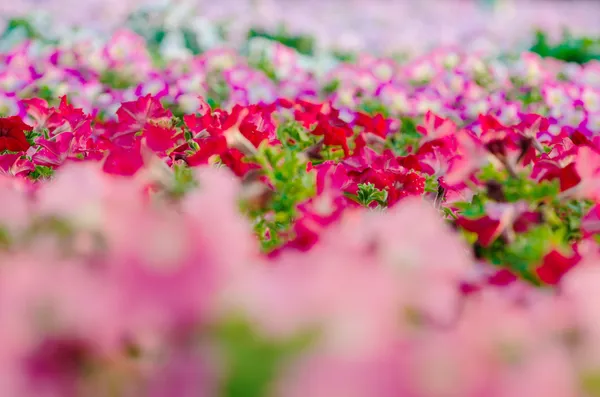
[100, 76]
[112, 283]
[105, 294]
[371, 25]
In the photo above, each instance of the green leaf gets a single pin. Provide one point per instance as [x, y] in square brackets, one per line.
[32, 136]
[253, 361]
[373, 107]
[368, 193]
[41, 172]
[303, 44]
[294, 136]
[116, 80]
[191, 41]
[590, 383]
[184, 180]
[331, 86]
[5, 238]
[474, 209]
[571, 49]
[292, 185]
[21, 23]
[406, 141]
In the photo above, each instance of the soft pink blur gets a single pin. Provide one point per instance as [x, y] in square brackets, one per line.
[364, 24]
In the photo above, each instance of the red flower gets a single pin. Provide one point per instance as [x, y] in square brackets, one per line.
[500, 217]
[410, 162]
[377, 124]
[305, 237]
[581, 140]
[234, 159]
[502, 277]
[491, 126]
[160, 139]
[486, 228]
[135, 115]
[550, 170]
[12, 134]
[334, 133]
[209, 146]
[409, 184]
[249, 129]
[554, 267]
[123, 161]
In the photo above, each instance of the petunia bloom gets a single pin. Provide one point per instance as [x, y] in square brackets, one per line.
[12, 134]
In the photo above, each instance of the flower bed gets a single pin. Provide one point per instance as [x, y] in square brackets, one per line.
[259, 222]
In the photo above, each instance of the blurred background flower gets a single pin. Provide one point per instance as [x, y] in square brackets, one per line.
[374, 25]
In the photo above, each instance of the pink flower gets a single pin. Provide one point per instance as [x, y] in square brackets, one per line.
[15, 165]
[15, 205]
[501, 218]
[53, 152]
[471, 156]
[587, 166]
[134, 115]
[436, 128]
[590, 223]
[38, 110]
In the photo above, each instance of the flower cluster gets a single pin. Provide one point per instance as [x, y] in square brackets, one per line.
[266, 224]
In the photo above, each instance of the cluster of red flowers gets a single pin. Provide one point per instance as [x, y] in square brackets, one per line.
[496, 181]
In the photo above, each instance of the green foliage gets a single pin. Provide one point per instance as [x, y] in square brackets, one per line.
[184, 180]
[263, 64]
[285, 168]
[373, 107]
[294, 136]
[368, 193]
[331, 87]
[530, 96]
[301, 43]
[24, 25]
[524, 253]
[567, 217]
[116, 80]
[590, 382]
[344, 56]
[253, 361]
[191, 41]
[155, 34]
[41, 172]
[473, 209]
[46, 93]
[406, 141]
[5, 238]
[521, 187]
[431, 184]
[570, 49]
[527, 189]
[218, 89]
[31, 136]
